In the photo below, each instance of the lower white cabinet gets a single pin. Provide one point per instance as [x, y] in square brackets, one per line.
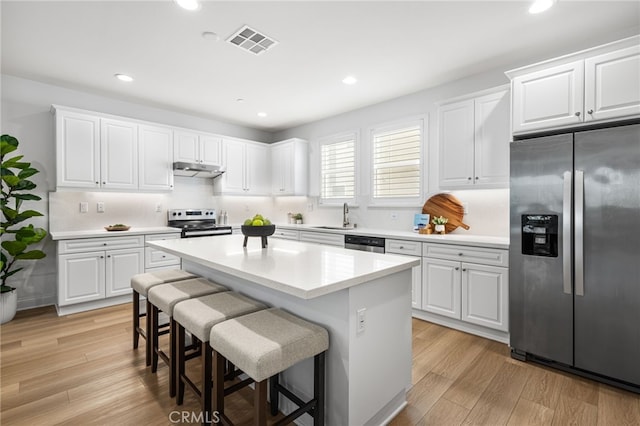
[325, 238]
[96, 272]
[157, 259]
[286, 234]
[468, 284]
[409, 248]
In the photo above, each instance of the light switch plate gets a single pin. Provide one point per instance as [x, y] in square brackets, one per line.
[100, 206]
[84, 207]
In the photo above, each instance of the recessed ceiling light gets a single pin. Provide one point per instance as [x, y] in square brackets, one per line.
[124, 77]
[539, 6]
[239, 100]
[188, 4]
[210, 35]
[350, 80]
[262, 114]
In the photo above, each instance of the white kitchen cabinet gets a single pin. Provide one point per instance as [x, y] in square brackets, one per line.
[155, 158]
[97, 151]
[441, 287]
[466, 285]
[77, 150]
[247, 167]
[158, 259]
[485, 295]
[81, 277]
[97, 270]
[409, 248]
[289, 167]
[121, 265]
[195, 147]
[118, 154]
[598, 84]
[286, 234]
[326, 238]
[474, 140]
[612, 84]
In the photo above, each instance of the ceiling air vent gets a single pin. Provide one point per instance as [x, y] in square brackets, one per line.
[251, 40]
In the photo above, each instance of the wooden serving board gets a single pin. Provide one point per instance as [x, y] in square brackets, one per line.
[448, 206]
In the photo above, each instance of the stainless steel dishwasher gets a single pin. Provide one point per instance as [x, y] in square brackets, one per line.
[364, 243]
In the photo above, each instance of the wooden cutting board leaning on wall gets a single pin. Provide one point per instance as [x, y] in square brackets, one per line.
[448, 206]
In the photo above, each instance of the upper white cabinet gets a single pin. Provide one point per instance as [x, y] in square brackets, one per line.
[155, 159]
[77, 150]
[289, 167]
[118, 154]
[474, 141]
[594, 85]
[197, 148]
[247, 167]
[95, 151]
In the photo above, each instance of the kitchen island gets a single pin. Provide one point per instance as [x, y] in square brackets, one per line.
[363, 299]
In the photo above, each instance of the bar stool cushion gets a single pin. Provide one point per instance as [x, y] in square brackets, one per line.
[198, 315]
[166, 296]
[267, 342]
[141, 283]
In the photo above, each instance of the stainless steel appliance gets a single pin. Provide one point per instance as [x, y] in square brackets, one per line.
[196, 222]
[363, 243]
[574, 257]
[182, 168]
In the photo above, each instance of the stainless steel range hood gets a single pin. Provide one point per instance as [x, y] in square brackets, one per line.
[183, 168]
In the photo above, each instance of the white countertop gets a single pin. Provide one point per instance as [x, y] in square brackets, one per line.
[458, 238]
[97, 233]
[304, 270]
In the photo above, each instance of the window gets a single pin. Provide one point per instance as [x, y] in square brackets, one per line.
[397, 168]
[337, 168]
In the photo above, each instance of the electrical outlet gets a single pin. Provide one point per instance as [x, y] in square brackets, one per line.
[465, 206]
[100, 206]
[361, 320]
[310, 207]
[84, 207]
[158, 207]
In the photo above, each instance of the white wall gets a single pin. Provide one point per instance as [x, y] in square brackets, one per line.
[26, 115]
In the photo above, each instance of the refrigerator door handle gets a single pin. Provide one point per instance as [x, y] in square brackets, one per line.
[579, 232]
[566, 233]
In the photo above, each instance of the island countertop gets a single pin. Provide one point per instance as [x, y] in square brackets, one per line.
[300, 269]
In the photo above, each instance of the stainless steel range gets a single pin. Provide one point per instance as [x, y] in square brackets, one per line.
[196, 223]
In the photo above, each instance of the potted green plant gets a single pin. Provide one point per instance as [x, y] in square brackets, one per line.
[439, 223]
[298, 218]
[16, 236]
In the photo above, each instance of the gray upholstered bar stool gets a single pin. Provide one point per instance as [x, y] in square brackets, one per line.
[264, 344]
[163, 298]
[140, 284]
[198, 316]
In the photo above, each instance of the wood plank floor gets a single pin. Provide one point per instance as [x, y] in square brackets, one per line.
[80, 369]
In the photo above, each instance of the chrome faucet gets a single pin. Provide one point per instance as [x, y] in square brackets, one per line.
[345, 215]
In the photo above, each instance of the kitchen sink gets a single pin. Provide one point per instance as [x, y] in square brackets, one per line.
[333, 227]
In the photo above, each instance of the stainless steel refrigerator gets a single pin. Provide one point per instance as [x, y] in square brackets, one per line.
[574, 257]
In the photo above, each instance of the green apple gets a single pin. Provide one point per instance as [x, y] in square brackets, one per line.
[257, 222]
[248, 222]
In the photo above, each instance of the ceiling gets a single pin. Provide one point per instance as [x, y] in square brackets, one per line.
[392, 47]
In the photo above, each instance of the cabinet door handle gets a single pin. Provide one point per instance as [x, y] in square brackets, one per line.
[590, 111]
[477, 178]
[464, 269]
[97, 183]
[108, 255]
[104, 244]
[101, 257]
[460, 254]
[577, 113]
[457, 268]
[469, 178]
[401, 247]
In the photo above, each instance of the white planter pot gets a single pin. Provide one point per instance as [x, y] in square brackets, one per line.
[439, 228]
[8, 305]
